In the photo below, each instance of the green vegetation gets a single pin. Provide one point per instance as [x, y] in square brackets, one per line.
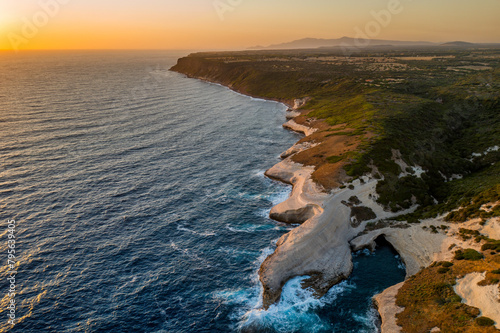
[471, 207]
[467, 234]
[485, 321]
[468, 254]
[443, 270]
[491, 244]
[351, 133]
[335, 159]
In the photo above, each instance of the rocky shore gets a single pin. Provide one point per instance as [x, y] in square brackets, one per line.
[321, 246]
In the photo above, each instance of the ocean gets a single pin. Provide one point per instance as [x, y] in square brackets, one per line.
[140, 203]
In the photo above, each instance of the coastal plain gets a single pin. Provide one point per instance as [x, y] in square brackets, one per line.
[401, 143]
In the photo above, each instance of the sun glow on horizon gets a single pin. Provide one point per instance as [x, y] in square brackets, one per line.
[224, 24]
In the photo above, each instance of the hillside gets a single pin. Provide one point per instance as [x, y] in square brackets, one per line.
[437, 110]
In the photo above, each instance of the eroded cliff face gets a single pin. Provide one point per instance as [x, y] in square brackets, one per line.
[245, 80]
[212, 71]
[319, 247]
[201, 68]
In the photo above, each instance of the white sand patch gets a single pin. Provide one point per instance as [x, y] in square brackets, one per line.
[489, 206]
[300, 102]
[491, 149]
[491, 228]
[485, 298]
[292, 125]
[486, 152]
[297, 148]
[415, 170]
[453, 177]
[418, 171]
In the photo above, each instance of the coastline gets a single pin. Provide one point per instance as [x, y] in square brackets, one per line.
[287, 103]
[306, 205]
[321, 246]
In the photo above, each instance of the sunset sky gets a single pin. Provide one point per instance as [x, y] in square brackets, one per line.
[233, 24]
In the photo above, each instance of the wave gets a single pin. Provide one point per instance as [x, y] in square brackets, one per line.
[248, 228]
[134, 279]
[205, 234]
[190, 254]
[401, 264]
[260, 173]
[364, 252]
[251, 228]
[275, 198]
[297, 310]
[280, 196]
[370, 320]
[236, 252]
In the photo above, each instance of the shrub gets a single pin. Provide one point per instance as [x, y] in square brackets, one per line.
[334, 159]
[496, 271]
[471, 254]
[491, 245]
[467, 234]
[413, 219]
[484, 321]
[446, 264]
[468, 254]
[443, 270]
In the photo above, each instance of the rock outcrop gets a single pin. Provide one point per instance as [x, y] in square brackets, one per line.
[385, 303]
[320, 246]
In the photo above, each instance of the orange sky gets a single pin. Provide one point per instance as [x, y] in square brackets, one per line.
[233, 24]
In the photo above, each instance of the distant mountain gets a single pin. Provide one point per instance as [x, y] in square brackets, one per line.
[313, 43]
[458, 43]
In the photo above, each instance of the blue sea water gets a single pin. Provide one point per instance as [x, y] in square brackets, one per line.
[141, 204]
